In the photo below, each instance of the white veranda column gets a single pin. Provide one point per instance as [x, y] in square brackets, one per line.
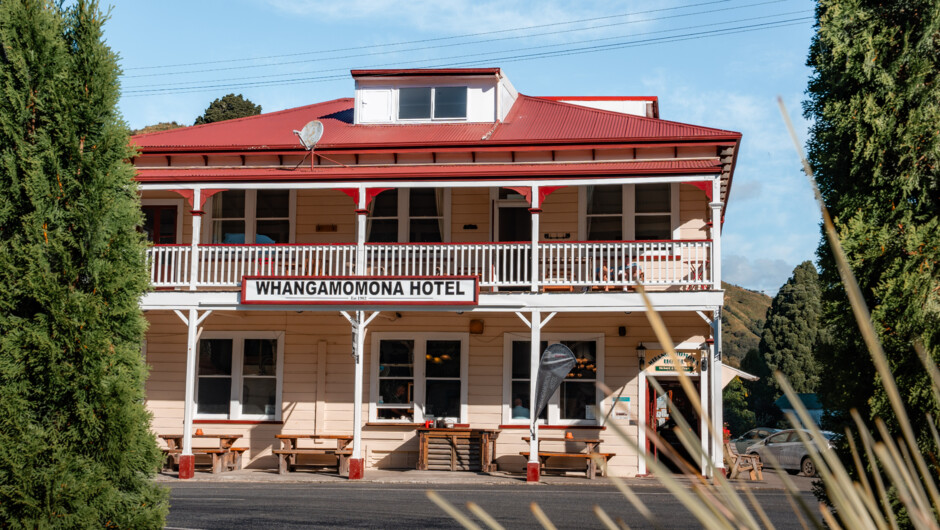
[532, 468]
[535, 210]
[197, 236]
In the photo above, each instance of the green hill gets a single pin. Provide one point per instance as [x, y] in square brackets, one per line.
[742, 320]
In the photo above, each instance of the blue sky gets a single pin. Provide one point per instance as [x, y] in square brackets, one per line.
[714, 63]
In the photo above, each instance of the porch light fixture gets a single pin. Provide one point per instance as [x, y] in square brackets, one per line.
[641, 353]
[706, 350]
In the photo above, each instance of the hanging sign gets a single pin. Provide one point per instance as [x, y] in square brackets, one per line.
[361, 290]
[663, 362]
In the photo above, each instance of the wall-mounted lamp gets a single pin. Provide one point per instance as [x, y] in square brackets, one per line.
[706, 353]
[476, 327]
[641, 353]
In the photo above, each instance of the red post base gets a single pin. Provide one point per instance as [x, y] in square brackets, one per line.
[187, 466]
[532, 470]
[356, 468]
[721, 471]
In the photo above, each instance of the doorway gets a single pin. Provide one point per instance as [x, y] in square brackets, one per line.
[661, 421]
[513, 223]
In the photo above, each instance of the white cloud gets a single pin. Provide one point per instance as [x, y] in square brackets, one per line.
[766, 275]
[459, 16]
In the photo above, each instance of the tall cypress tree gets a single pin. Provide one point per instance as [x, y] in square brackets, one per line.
[874, 99]
[791, 333]
[75, 444]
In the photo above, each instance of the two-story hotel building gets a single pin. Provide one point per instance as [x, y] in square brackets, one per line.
[415, 262]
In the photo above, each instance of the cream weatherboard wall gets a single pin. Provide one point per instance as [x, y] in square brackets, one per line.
[318, 376]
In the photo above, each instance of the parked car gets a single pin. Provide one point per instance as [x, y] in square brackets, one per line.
[789, 451]
[751, 437]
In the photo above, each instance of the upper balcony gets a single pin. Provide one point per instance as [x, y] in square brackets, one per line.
[543, 267]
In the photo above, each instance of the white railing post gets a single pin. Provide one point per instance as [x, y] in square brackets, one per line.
[535, 210]
[197, 235]
[361, 213]
[716, 233]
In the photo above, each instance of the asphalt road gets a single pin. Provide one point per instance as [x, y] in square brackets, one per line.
[362, 505]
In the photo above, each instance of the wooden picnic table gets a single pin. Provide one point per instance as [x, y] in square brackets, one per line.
[224, 456]
[591, 452]
[290, 449]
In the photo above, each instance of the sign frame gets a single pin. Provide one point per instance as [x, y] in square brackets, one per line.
[364, 302]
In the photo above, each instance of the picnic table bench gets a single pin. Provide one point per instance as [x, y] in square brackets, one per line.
[738, 462]
[223, 457]
[590, 455]
[290, 450]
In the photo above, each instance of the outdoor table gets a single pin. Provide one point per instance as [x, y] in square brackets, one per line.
[287, 454]
[224, 456]
[591, 446]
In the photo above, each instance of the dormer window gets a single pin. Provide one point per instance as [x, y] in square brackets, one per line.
[417, 103]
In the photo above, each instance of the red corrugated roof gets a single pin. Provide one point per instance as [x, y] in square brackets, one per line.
[424, 72]
[432, 172]
[531, 121]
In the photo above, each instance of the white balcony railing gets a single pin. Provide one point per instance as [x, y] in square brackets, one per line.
[579, 265]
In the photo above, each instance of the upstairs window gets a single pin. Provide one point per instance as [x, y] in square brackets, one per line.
[251, 216]
[641, 212]
[415, 215]
[417, 103]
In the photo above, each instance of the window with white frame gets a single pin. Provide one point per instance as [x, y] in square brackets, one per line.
[418, 377]
[239, 376]
[417, 103]
[576, 402]
[251, 216]
[409, 215]
[641, 212]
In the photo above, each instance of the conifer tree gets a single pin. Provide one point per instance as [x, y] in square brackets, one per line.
[736, 412]
[874, 100]
[762, 393]
[791, 333]
[76, 450]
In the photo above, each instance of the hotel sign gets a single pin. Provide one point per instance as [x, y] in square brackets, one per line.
[663, 362]
[361, 290]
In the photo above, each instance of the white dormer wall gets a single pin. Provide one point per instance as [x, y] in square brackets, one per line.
[634, 107]
[488, 98]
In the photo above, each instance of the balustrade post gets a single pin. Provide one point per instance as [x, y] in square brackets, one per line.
[716, 232]
[535, 210]
[361, 212]
[197, 235]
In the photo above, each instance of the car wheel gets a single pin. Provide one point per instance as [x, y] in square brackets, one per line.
[808, 467]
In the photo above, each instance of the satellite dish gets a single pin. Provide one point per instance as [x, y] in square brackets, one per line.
[310, 134]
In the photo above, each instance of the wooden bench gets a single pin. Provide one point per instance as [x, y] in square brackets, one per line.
[289, 451]
[738, 463]
[287, 459]
[221, 459]
[224, 457]
[590, 461]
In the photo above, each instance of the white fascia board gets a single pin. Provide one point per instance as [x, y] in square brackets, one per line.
[304, 185]
[489, 303]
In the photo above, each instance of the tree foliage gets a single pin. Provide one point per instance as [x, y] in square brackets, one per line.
[736, 411]
[76, 449]
[874, 99]
[157, 127]
[227, 108]
[791, 333]
[762, 393]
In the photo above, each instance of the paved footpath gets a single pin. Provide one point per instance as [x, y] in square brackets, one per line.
[397, 499]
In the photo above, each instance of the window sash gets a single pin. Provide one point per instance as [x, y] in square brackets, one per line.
[236, 397]
[554, 407]
[420, 378]
[250, 219]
